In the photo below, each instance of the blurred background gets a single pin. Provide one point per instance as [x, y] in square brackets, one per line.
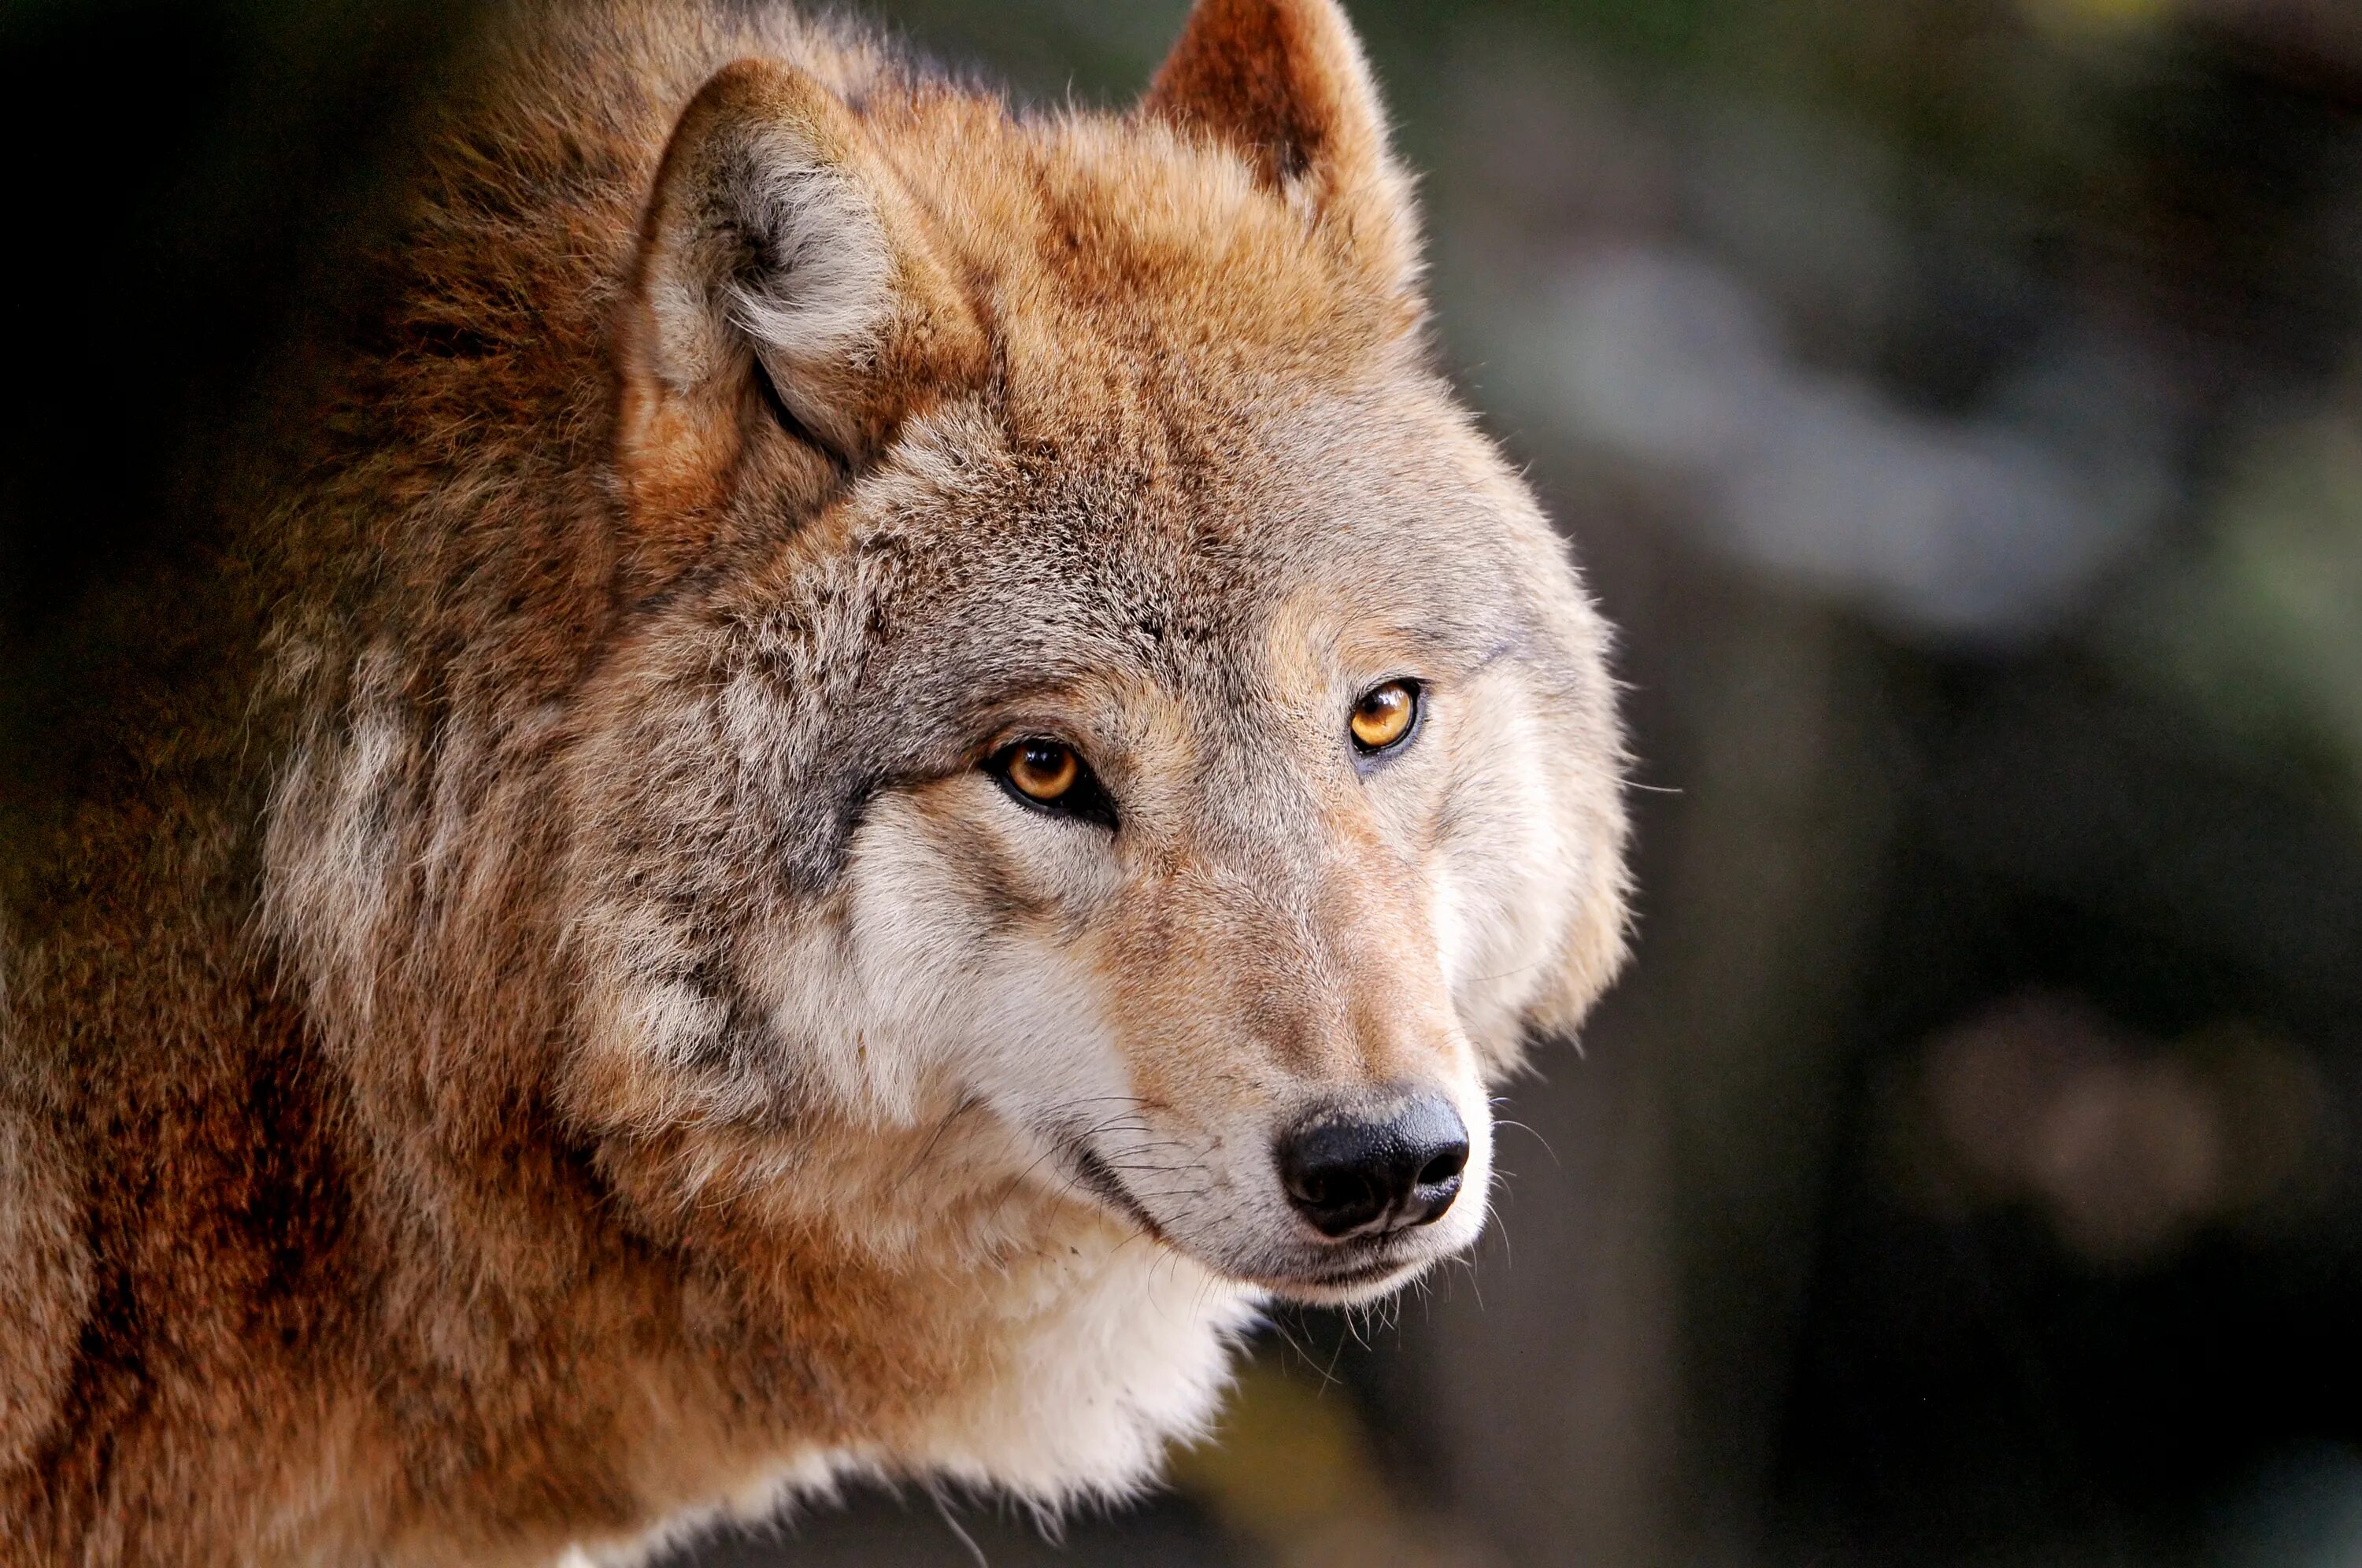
[1957, 403]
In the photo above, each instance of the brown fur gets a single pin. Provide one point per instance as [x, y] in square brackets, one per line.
[347, 1213]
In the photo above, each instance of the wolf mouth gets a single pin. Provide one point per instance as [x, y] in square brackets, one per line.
[1345, 1278]
[1378, 1260]
[1095, 1174]
[1326, 1286]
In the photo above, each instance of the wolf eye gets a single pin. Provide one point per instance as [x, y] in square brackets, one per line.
[1043, 771]
[1384, 717]
[1051, 776]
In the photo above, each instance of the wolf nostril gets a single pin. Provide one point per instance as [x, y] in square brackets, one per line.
[1351, 1173]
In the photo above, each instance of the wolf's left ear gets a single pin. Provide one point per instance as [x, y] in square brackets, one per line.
[1283, 83]
[779, 258]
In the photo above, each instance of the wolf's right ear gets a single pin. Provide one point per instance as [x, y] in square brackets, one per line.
[780, 253]
[1284, 85]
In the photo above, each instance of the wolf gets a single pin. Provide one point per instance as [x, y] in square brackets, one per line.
[863, 766]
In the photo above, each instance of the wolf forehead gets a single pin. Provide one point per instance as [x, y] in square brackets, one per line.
[1166, 534]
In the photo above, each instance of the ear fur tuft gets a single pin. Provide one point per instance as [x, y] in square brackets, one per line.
[1283, 83]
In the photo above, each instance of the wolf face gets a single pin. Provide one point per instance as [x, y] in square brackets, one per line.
[1115, 698]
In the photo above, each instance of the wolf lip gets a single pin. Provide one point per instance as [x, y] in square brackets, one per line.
[1373, 1271]
[1373, 1259]
[1097, 1177]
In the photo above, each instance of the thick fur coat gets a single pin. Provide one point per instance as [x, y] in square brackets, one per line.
[555, 1015]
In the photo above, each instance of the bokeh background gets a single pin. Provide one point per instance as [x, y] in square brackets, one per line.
[1958, 405]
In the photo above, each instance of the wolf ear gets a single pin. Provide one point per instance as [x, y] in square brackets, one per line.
[1283, 83]
[779, 254]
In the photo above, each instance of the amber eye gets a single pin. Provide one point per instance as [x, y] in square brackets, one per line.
[1051, 776]
[1043, 770]
[1384, 715]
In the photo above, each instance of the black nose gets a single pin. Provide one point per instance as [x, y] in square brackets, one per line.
[1352, 1174]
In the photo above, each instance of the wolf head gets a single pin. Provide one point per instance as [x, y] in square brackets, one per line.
[1085, 678]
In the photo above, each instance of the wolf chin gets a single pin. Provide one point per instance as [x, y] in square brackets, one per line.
[870, 764]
